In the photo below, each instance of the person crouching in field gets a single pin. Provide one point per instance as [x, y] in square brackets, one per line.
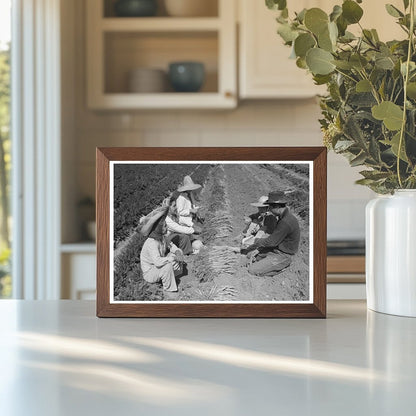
[182, 236]
[159, 259]
[185, 204]
[274, 253]
[260, 224]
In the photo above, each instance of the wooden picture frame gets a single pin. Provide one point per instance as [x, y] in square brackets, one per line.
[259, 163]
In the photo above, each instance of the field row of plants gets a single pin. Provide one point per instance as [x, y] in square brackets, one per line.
[299, 169]
[139, 188]
[217, 226]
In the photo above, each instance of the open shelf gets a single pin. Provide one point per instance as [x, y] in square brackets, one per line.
[210, 9]
[160, 24]
[127, 51]
[116, 46]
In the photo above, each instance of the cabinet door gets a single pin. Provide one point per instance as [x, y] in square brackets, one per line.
[265, 68]
[78, 276]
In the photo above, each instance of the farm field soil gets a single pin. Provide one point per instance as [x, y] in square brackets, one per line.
[218, 273]
[243, 184]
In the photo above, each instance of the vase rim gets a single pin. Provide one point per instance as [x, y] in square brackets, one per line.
[405, 191]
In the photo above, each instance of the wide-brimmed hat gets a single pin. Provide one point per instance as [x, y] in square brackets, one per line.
[188, 185]
[261, 202]
[276, 197]
[150, 220]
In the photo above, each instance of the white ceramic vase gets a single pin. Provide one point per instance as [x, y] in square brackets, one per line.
[391, 253]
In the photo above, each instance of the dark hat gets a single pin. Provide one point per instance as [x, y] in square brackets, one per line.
[276, 197]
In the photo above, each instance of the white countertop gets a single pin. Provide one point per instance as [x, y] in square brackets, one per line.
[57, 358]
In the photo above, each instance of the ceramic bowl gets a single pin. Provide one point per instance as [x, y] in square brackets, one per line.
[135, 8]
[186, 76]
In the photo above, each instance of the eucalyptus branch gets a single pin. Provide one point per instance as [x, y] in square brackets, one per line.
[346, 75]
[406, 80]
[373, 88]
[398, 95]
[392, 91]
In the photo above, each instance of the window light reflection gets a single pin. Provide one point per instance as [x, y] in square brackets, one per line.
[82, 348]
[262, 361]
[131, 384]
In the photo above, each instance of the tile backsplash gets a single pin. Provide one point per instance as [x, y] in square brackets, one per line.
[257, 123]
[253, 123]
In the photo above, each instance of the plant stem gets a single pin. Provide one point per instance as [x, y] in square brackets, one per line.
[373, 88]
[346, 75]
[406, 79]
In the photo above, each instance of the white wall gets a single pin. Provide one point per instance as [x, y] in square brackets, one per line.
[254, 123]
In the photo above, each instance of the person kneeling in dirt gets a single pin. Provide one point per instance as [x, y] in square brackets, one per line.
[274, 253]
[159, 259]
[258, 225]
[182, 236]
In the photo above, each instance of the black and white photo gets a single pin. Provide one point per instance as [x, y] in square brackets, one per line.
[226, 231]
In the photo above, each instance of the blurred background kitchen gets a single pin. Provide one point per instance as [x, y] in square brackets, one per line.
[176, 73]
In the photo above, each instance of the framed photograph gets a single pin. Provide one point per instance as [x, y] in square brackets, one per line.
[211, 232]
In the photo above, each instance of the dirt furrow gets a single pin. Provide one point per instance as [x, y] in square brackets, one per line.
[245, 184]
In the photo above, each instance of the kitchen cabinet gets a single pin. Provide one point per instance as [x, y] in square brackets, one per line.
[118, 45]
[78, 262]
[265, 70]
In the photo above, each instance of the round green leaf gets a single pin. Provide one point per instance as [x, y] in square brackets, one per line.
[363, 86]
[384, 62]
[411, 90]
[351, 11]
[344, 65]
[301, 15]
[333, 32]
[342, 25]
[316, 20]
[303, 43]
[319, 61]
[336, 12]
[325, 42]
[322, 79]
[287, 33]
[391, 114]
[393, 11]
[394, 143]
[301, 63]
[358, 61]
[276, 4]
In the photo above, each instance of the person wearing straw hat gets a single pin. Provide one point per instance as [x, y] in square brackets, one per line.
[275, 252]
[185, 202]
[181, 235]
[159, 260]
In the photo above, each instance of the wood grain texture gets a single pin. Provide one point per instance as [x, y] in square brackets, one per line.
[317, 309]
[346, 264]
[103, 231]
[319, 229]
